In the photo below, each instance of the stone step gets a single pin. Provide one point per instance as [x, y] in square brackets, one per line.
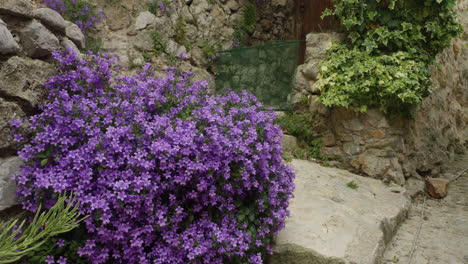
[338, 217]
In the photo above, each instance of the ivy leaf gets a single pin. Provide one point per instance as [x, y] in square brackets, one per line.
[353, 36]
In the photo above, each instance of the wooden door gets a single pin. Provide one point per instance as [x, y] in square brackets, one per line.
[308, 15]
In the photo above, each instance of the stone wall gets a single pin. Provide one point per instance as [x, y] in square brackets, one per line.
[128, 27]
[28, 35]
[393, 151]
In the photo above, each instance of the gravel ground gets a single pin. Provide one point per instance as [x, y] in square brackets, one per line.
[443, 238]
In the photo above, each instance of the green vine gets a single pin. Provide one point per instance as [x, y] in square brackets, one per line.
[384, 61]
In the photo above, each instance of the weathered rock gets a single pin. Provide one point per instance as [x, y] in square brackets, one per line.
[21, 8]
[74, 33]
[289, 143]
[51, 19]
[8, 111]
[38, 41]
[144, 19]
[8, 44]
[333, 223]
[144, 41]
[117, 17]
[8, 167]
[68, 44]
[233, 5]
[436, 187]
[22, 80]
[414, 187]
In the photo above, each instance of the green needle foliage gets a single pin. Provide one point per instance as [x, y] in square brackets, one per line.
[17, 241]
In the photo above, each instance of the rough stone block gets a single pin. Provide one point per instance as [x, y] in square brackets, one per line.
[8, 167]
[8, 44]
[289, 143]
[51, 19]
[22, 80]
[332, 223]
[436, 187]
[74, 33]
[8, 112]
[38, 41]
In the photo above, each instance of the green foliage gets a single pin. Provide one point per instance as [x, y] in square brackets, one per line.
[246, 24]
[159, 43]
[94, 43]
[393, 83]
[384, 63]
[352, 185]
[298, 125]
[301, 125]
[72, 241]
[19, 239]
[153, 7]
[210, 49]
[180, 31]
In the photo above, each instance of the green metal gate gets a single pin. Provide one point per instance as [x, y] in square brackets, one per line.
[266, 70]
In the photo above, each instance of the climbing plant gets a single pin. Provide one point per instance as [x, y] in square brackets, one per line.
[384, 60]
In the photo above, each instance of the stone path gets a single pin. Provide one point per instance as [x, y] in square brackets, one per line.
[443, 238]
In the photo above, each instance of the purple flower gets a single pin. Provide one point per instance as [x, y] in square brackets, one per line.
[168, 172]
[60, 243]
[50, 260]
[183, 55]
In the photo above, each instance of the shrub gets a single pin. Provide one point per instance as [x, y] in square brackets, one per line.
[394, 83]
[384, 62]
[167, 172]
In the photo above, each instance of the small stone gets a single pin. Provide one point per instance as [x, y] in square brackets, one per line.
[311, 70]
[38, 41]
[20, 8]
[24, 78]
[233, 5]
[144, 19]
[8, 167]
[68, 44]
[377, 133]
[8, 44]
[414, 187]
[8, 111]
[289, 143]
[50, 18]
[143, 41]
[132, 33]
[74, 33]
[335, 164]
[117, 17]
[437, 187]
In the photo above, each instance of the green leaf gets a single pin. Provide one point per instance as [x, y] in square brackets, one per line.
[44, 162]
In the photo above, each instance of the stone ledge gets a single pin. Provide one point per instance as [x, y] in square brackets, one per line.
[333, 223]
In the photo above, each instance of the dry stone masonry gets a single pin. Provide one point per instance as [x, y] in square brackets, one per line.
[129, 26]
[28, 35]
[370, 144]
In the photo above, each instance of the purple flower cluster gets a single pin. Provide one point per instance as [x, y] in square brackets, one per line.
[81, 12]
[168, 172]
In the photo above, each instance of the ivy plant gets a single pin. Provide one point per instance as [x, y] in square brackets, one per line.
[384, 61]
